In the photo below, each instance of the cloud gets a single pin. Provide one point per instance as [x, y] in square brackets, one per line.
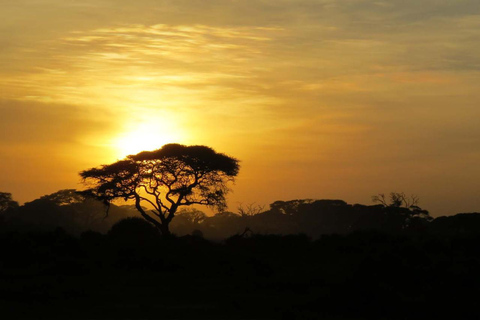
[350, 85]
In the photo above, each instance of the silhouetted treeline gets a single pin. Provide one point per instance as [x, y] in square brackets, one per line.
[66, 209]
[311, 217]
[76, 214]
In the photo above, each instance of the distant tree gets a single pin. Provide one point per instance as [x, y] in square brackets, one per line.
[193, 216]
[64, 197]
[187, 220]
[6, 202]
[70, 210]
[404, 207]
[397, 200]
[165, 179]
[290, 207]
[222, 225]
[250, 209]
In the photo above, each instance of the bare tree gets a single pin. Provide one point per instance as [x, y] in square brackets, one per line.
[250, 209]
[397, 200]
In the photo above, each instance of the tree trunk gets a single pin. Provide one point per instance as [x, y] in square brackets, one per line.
[164, 229]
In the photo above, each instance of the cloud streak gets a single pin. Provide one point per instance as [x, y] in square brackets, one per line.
[353, 91]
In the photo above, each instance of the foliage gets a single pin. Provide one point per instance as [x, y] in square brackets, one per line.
[64, 197]
[67, 209]
[288, 207]
[6, 202]
[133, 229]
[165, 179]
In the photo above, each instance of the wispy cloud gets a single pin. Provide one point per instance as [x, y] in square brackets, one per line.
[349, 85]
[141, 56]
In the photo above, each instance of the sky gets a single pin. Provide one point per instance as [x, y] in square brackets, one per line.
[319, 99]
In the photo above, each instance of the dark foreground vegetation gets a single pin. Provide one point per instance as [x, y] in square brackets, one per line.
[327, 260]
[132, 273]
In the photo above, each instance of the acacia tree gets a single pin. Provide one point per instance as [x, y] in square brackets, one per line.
[165, 179]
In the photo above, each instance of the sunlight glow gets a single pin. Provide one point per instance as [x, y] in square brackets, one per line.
[145, 137]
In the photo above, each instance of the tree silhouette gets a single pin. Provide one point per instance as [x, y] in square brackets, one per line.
[405, 209]
[397, 200]
[193, 216]
[250, 209]
[67, 209]
[6, 202]
[165, 179]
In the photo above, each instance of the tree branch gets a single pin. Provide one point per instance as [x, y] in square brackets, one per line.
[144, 214]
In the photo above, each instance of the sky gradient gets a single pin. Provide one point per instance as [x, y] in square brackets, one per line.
[323, 99]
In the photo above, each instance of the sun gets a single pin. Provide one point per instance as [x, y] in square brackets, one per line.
[144, 137]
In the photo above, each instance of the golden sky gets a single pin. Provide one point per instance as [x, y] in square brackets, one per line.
[327, 99]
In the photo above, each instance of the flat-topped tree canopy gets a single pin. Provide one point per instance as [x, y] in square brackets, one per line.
[172, 176]
[108, 182]
[199, 158]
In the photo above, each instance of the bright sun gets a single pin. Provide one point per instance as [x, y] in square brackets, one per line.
[145, 137]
